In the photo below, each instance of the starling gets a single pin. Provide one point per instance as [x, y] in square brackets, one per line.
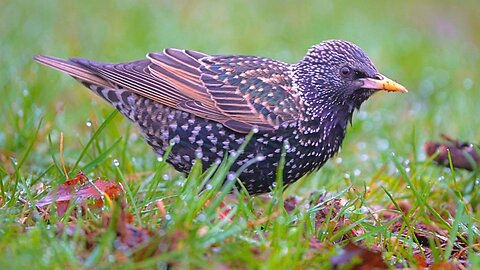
[208, 104]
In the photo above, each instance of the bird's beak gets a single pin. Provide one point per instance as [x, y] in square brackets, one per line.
[382, 83]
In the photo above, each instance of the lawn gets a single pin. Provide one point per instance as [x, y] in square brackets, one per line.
[380, 197]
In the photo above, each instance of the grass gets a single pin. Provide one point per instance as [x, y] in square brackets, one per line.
[379, 191]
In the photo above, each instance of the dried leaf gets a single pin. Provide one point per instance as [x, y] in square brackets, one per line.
[443, 266]
[359, 257]
[80, 178]
[290, 204]
[129, 235]
[464, 155]
[79, 191]
[421, 261]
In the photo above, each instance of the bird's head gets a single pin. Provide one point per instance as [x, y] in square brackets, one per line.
[339, 74]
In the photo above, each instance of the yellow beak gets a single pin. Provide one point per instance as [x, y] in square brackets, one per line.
[382, 83]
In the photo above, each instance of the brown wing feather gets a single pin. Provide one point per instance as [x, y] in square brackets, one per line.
[218, 86]
[136, 77]
[72, 69]
[180, 68]
[239, 92]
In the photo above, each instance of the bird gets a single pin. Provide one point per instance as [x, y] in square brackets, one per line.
[206, 105]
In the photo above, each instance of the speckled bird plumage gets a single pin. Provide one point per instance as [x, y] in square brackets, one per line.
[206, 105]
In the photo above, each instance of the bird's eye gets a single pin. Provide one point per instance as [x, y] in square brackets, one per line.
[345, 71]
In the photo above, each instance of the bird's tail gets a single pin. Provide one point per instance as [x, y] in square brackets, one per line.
[74, 69]
[121, 99]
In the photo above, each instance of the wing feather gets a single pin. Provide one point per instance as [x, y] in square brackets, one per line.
[244, 89]
[241, 92]
[136, 77]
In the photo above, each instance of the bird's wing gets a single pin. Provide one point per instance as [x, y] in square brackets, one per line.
[134, 76]
[242, 92]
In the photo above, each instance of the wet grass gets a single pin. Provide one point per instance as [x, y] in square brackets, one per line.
[430, 47]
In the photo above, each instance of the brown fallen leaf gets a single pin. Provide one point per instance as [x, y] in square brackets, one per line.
[443, 266]
[128, 236]
[290, 204]
[359, 257]
[80, 178]
[464, 155]
[421, 261]
[79, 191]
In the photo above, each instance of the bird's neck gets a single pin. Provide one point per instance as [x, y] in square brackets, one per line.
[325, 116]
[323, 127]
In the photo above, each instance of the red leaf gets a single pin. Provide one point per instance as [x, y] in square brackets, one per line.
[81, 192]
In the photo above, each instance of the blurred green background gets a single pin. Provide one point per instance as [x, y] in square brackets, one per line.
[431, 47]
